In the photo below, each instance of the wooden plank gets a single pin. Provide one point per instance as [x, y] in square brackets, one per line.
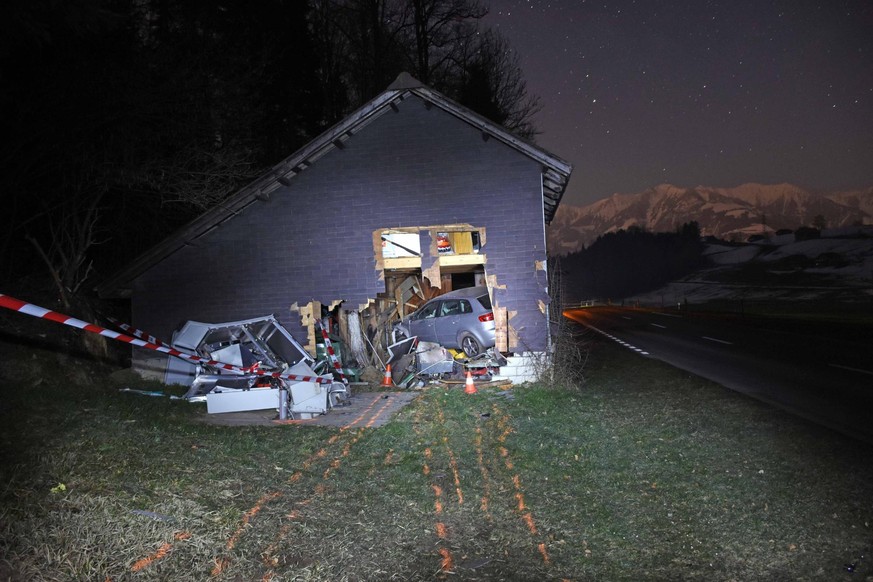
[501, 334]
[460, 260]
[403, 263]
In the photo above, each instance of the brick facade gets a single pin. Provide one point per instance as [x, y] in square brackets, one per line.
[313, 240]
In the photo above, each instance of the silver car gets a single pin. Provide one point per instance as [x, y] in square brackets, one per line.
[460, 319]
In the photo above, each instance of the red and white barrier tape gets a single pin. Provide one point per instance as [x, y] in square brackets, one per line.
[331, 354]
[136, 332]
[39, 312]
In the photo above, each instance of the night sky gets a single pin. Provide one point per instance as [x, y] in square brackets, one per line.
[714, 93]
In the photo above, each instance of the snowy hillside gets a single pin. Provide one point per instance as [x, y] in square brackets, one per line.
[838, 267]
[728, 213]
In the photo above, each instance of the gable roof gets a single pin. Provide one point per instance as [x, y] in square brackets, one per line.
[555, 173]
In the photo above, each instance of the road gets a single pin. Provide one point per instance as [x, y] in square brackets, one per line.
[821, 372]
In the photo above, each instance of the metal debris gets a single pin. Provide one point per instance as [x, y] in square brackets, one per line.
[270, 369]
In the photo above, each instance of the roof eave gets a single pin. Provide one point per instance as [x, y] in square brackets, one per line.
[556, 173]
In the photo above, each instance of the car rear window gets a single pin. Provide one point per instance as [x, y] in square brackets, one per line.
[485, 300]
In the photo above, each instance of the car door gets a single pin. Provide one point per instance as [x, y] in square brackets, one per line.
[450, 320]
[421, 323]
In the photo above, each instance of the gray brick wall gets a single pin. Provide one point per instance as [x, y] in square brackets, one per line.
[312, 240]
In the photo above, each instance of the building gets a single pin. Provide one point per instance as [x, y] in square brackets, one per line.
[409, 184]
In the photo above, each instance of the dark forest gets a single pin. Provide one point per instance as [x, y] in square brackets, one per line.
[623, 263]
[124, 119]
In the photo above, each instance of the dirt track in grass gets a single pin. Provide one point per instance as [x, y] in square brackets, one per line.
[643, 473]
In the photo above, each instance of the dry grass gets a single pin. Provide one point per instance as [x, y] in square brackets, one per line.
[646, 473]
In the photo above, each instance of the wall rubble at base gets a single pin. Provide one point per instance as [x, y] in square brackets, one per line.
[526, 367]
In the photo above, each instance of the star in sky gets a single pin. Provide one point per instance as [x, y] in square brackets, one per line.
[699, 92]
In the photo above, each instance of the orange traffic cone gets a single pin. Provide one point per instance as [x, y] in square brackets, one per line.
[469, 387]
[387, 379]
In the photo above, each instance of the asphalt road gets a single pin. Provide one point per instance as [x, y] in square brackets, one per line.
[818, 371]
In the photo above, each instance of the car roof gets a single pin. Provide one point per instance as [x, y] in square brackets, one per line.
[465, 293]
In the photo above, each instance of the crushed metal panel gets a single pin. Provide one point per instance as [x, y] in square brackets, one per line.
[399, 349]
[191, 334]
[255, 346]
[229, 400]
[432, 358]
[179, 371]
[243, 342]
[307, 397]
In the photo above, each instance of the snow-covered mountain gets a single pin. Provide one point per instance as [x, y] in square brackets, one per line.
[728, 213]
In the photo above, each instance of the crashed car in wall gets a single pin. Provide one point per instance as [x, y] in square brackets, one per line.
[461, 319]
[261, 349]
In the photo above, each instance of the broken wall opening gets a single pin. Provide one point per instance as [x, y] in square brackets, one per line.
[416, 264]
[446, 257]
[440, 257]
[431, 250]
[419, 263]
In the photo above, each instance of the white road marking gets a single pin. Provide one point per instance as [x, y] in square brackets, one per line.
[658, 325]
[712, 339]
[626, 317]
[860, 371]
[617, 340]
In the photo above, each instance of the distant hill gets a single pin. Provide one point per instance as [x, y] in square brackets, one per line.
[727, 213]
[833, 272]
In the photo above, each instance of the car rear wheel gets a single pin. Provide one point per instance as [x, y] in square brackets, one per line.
[470, 346]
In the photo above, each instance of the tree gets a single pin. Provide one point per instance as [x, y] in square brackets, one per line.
[440, 28]
[59, 76]
[440, 42]
[491, 83]
[806, 233]
[622, 263]
[365, 44]
[128, 116]
[133, 116]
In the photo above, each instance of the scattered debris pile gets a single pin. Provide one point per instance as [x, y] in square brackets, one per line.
[256, 364]
[270, 369]
[291, 386]
[415, 363]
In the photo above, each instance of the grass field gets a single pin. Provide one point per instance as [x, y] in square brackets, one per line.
[643, 473]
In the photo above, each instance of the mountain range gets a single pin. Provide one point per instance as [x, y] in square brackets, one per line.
[727, 213]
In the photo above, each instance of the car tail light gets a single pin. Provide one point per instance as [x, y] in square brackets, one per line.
[487, 317]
